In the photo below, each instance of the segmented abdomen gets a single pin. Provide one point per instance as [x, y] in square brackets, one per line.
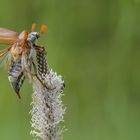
[16, 76]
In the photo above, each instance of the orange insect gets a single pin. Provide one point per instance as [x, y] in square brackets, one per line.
[23, 53]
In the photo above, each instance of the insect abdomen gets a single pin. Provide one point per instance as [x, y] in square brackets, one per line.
[16, 76]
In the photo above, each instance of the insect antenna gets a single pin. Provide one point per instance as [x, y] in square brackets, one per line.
[33, 27]
[43, 29]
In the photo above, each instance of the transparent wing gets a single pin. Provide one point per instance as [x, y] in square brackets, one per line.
[5, 57]
[7, 36]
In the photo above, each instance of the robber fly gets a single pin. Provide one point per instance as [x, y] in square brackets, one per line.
[20, 53]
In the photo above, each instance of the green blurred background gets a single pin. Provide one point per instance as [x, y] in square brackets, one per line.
[95, 46]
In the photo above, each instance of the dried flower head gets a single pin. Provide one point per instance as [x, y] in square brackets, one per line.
[47, 108]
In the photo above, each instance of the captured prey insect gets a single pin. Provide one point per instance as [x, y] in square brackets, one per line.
[23, 53]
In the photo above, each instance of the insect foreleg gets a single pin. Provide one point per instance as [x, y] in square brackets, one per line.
[39, 79]
[35, 74]
[39, 48]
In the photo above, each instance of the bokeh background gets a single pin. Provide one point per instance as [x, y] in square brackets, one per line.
[95, 46]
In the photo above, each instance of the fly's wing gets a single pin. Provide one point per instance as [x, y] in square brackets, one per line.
[4, 51]
[5, 56]
[7, 36]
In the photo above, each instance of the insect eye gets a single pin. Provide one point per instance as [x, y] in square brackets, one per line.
[37, 35]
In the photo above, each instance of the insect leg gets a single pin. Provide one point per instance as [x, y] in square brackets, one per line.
[39, 48]
[35, 74]
[39, 79]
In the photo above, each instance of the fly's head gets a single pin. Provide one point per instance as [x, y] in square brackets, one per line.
[33, 36]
